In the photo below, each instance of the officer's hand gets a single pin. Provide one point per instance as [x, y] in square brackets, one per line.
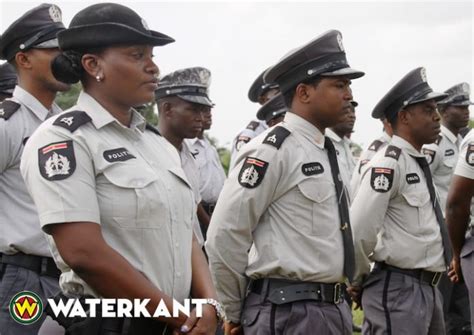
[454, 273]
[231, 328]
[356, 295]
[205, 325]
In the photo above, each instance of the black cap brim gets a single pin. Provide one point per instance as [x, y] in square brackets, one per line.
[344, 72]
[429, 96]
[106, 34]
[197, 99]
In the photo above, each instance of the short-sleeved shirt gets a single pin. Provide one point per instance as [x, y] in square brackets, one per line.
[364, 158]
[465, 164]
[393, 219]
[253, 129]
[345, 159]
[277, 215]
[442, 157]
[87, 167]
[20, 229]
[211, 173]
[190, 167]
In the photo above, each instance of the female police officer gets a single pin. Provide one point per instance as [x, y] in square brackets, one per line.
[110, 192]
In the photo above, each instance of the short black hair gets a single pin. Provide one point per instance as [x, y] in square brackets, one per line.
[290, 94]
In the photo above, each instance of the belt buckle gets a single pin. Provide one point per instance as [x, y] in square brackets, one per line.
[337, 293]
[436, 278]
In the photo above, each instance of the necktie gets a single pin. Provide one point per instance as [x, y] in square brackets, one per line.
[343, 206]
[437, 208]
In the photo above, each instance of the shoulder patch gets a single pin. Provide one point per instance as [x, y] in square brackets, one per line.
[8, 108]
[449, 152]
[152, 129]
[241, 140]
[470, 154]
[252, 172]
[57, 160]
[429, 154]
[381, 179]
[252, 125]
[393, 151]
[412, 178]
[375, 146]
[277, 136]
[438, 140]
[72, 120]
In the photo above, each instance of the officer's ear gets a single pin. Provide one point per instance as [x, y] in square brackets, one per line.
[404, 116]
[302, 92]
[91, 64]
[22, 60]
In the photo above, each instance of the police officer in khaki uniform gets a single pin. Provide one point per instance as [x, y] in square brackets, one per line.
[278, 229]
[442, 157]
[111, 195]
[341, 142]
[8, 81]
[368, 154]
[260, 92]
[460, 217]
[29, 44]
[398, 222]
[182, 99]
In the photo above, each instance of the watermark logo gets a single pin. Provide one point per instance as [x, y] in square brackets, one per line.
[26, 307]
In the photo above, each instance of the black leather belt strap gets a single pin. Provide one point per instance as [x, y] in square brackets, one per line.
[281, 291]
[429, 277]
[44, 266]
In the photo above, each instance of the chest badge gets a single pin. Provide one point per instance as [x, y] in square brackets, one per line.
[313, 168]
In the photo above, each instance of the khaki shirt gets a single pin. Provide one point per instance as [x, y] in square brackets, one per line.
[465, 164]
[284, 223]
[393, 220]
[19, 224]
[345, 158]
[364, 158]
[442, 157]
[127, 180]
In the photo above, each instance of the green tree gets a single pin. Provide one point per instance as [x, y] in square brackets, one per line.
[224, 153]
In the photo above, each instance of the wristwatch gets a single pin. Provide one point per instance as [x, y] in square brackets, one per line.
[218, 307]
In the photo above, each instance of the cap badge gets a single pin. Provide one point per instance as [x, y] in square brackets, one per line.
[55, 13]
[339, 41]
[423, 74]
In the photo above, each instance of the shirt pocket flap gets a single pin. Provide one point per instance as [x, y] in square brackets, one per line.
[416, 199]
[316, 190]
[130, 176]
[450, 163]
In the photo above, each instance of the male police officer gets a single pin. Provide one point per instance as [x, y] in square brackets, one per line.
[282, 219]
[29, 44]
[182, 98]
[460, 204]
[341, 142]
[369, 153]
[260, 92]
[8, 81]
[442, 157]
[397, 219]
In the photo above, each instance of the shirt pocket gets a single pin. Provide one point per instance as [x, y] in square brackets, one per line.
[319, 196]
[135, 196]
[450, 163]
[418, 206]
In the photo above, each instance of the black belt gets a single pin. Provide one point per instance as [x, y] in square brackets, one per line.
[282, 291]
[209, 208]
[43, 266]
[429, 277]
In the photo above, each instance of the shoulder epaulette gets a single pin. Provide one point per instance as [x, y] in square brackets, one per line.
[375, 146]
[393, 152]
[72, 120]
[8, 108]
[153, 129]
[276, 137]
[252, 125]
[438, 140]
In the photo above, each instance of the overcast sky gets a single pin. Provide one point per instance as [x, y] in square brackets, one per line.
[238, 40]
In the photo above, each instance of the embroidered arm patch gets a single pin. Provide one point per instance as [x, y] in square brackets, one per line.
[252, 172]
[56, 160]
